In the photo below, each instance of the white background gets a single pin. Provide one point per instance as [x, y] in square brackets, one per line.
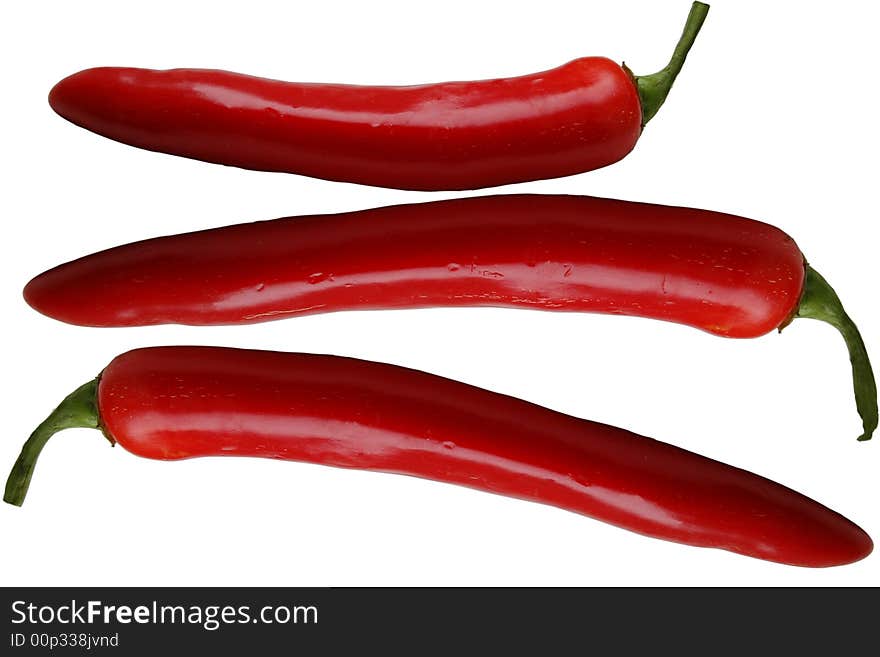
[773, 118]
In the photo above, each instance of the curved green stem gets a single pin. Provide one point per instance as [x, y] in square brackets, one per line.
[79, 409]
[820, 301]
[653, 89]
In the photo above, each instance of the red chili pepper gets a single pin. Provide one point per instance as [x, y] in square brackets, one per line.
[181, 402]
[584, 115]
[724, 274]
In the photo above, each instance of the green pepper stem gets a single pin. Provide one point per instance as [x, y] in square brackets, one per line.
[654, 88]
[79, 409]
[820, 301]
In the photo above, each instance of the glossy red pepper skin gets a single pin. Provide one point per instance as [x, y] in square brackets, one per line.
[724, 274]
[454, 135]
[181, 402]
